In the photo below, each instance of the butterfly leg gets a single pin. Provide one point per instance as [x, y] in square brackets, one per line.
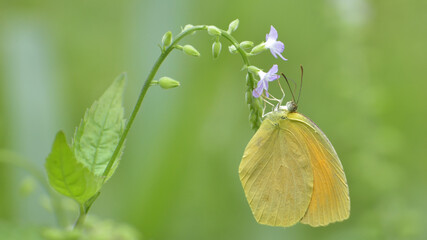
[265, 106]
[283, 92]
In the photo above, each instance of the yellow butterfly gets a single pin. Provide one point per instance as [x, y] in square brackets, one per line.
[291, 173]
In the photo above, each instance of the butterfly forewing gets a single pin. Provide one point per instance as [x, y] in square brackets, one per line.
[276, 173]
[330, 201]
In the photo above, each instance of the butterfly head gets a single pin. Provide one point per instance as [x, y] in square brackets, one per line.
[291, 106]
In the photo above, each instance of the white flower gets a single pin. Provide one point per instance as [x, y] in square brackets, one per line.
[276, 47]
[264, 79]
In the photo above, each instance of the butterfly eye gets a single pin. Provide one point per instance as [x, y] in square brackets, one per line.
[283, 117]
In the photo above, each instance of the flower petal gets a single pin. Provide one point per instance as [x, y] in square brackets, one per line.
[258, 90]
[266, 88]
[283, 57]
[273, 52]
[278, 46]
[264, 79]
[272, 77]
[271, 74]
[272, 35]
[255, 93]
[265, 85]
[273, 69]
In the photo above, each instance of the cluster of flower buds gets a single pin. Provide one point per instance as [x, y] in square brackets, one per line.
[256, 88]
[216, 46]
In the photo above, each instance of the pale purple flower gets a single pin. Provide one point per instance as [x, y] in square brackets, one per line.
[264, 79]
[276, 47]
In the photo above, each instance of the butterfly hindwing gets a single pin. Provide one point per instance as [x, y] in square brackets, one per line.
[330, 200]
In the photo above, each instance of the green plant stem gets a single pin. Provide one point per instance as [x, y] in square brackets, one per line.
[144, 89]
[150, 78]
[233, 41]
[82, 217]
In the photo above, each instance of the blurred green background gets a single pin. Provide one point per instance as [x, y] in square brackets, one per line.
[364, 62]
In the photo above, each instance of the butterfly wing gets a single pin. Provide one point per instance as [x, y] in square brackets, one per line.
[330, 201]
[276, 174]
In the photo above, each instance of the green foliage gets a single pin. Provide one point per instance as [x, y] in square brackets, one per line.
[94, 229]
[100, 130]
[107, 229]
[14, 232]
[77, 172]
[68, 176]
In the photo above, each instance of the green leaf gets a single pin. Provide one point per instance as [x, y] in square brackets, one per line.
[67, 176]
[100, 130]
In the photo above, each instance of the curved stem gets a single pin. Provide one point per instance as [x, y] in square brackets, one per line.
[233, 41]
[150, 78]
[242, 52]
[144, 89]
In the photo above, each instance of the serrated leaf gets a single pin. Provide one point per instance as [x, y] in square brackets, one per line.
[66, 175]
[100, 130]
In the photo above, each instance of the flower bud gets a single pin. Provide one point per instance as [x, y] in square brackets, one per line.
[214, 31]
[232, 49]
[253, 117]
[167, 82]
[167, 39]
[188, 26]
[253, 69]
[258, 49]
[233, 26]
[248, 97]
[190, 50]
[246, 44]
[216, 49]
[258, 106]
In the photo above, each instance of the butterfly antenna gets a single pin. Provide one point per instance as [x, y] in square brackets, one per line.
[289, 85]
[295, 84]
[300, 87]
